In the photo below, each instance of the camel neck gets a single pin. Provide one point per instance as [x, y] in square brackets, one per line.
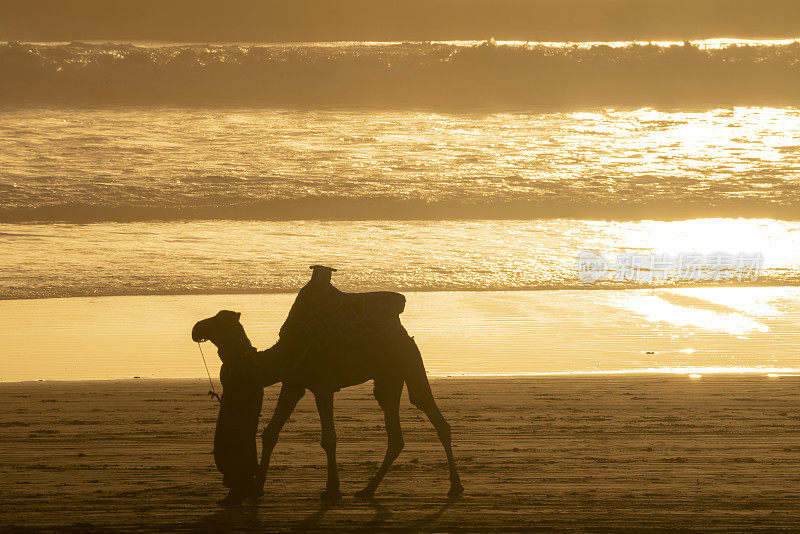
[269, 366]
[234, 349]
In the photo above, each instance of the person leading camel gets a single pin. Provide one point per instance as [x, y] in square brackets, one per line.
[235, 453]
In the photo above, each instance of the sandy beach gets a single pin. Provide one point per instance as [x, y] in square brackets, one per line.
[603, 452]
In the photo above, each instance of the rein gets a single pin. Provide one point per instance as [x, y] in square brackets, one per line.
[211, 392]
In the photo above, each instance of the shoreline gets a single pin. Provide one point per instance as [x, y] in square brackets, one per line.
[698, 372]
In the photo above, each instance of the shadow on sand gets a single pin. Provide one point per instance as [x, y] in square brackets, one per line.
[254, 517]
[382, 514]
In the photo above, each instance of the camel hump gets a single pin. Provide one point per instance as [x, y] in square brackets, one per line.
[381, 306]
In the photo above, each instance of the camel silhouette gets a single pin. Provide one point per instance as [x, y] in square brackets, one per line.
[332, 340]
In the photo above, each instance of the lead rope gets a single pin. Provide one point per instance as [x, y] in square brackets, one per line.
[211, 393]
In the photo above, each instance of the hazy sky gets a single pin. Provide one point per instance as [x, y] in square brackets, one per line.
[311, 20]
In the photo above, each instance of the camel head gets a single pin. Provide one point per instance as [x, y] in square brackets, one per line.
[224, 330]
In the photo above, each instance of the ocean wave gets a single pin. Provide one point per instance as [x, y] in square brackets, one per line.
[363, 208]
[428, 74]
[153, 288]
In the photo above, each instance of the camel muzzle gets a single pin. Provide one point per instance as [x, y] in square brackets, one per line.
[198, 332]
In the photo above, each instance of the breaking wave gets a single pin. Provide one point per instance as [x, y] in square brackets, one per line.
[428, 74]
[358, 209]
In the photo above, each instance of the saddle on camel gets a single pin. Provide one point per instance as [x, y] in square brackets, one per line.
[330, 340]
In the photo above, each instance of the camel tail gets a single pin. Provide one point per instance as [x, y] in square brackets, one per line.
[416, 378]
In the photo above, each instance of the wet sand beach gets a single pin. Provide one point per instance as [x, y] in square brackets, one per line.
[483, 333]
[621, 452]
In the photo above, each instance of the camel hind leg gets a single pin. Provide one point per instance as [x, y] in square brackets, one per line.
[421, 396]
[387, 391]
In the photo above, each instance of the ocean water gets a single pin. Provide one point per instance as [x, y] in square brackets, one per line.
[142, 200]
[228, 169]
[207, 257]
[145, 163]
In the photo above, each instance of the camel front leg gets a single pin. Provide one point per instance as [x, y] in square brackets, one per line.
[287, 400]
[325, 409]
